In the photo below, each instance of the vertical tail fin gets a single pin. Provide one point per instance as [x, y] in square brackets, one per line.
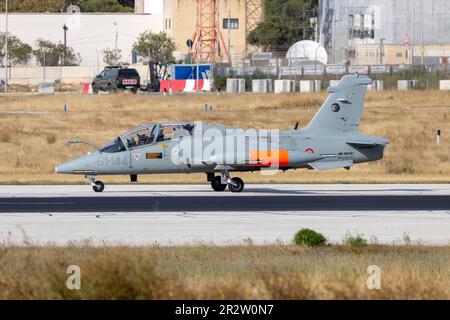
[342, 110]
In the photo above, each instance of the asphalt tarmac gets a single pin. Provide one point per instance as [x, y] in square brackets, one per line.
[214, 203]
[187, 214]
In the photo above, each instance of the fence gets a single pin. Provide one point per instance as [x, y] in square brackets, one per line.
[76, 74]
[281, 69]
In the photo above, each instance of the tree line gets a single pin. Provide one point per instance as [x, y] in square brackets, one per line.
[45, 52]
[61, 5]
[157, 47]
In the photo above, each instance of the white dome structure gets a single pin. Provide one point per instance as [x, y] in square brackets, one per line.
[306, 52]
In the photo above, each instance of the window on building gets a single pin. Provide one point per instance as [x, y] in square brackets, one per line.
[168, 23]
[231, 23]
[399, 55]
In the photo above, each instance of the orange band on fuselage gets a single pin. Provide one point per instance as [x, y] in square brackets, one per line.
[269, 157]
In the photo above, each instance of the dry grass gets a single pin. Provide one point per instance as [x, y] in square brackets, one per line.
[245, 272]
[32, 144]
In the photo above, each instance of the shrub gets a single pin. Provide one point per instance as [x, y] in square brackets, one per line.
[51, 138]
[5, 136]
[220, 83]
[310, 238]
[355, 241]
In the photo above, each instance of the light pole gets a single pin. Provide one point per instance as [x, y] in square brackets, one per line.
[115, 49]
[422, 54]
[381, 48]
[315, 64]
[65, 28]
[333, 42]
[6, 49]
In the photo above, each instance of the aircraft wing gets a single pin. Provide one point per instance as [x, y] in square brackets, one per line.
[329, 165]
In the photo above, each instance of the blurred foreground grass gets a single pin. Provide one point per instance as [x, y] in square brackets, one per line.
[235, 272]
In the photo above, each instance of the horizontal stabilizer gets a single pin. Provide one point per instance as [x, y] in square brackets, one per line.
[367, 143]
[330, 165]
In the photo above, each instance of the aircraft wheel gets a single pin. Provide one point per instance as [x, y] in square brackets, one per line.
[236, 185]
[98, 186]
[217, 185]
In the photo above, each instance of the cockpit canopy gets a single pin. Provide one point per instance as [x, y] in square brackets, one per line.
[149, 134]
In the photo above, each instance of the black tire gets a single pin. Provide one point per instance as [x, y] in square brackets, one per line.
[236, 185]
[217, 185]
[94, 88]
[109, 88]
[98, 186]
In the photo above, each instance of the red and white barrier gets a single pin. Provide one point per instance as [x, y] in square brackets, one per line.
[185, 85]
[87, 88]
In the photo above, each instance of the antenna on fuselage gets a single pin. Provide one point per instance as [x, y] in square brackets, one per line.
[83, 142]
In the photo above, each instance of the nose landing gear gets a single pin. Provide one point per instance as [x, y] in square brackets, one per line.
[97, 186]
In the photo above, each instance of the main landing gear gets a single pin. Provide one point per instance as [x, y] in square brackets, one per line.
[220, 183]
[97, 186]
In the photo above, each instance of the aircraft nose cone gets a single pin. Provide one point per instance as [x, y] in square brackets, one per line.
[79, 165]
[64, 168]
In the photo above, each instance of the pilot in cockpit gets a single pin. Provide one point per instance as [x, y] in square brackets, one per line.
[131, 142]
[142, 139]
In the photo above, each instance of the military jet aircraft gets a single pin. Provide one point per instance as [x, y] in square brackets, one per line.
[330, 141]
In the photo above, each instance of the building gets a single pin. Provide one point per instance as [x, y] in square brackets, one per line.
[389, 31]
[374, 54]
[235, 19]
[148, 6]
[89, 33]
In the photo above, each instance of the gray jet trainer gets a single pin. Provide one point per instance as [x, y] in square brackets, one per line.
[330, 141]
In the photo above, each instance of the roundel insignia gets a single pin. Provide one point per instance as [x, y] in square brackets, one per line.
[309, 150]
[335, 107]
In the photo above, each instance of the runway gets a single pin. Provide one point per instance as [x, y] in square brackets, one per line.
[186, 214]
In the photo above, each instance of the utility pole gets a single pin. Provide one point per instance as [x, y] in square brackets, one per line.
[413, 30]
[65, 28]
[422, 53]
[98, 62]
[45, 63]
[197, 44]
[115, 48]
[6, 49]
[229, 33]
[381, 50]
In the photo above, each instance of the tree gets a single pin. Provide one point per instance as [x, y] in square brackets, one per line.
[39, 5]
[61, 5]
[19, 53]
[284, 24]
[111, 56]
[52, 54]
[127, 3]
[103, 6]
[154, 46]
